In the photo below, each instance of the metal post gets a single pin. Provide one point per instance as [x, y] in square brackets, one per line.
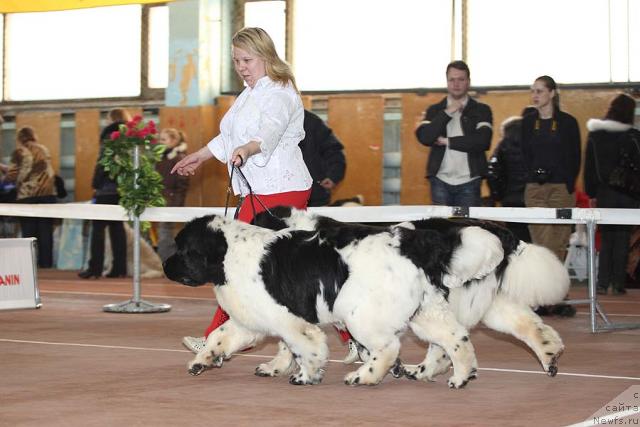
[591, 263]
[136, 305]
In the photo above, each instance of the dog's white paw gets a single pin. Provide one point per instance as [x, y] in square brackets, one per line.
[419, 373]
[550, 364]
[458, 381]
[204, 361]
[550, 347]
[363, 376]
[272, 370]
[302, 378]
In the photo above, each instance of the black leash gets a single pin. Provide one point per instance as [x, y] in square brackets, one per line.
[252, 195]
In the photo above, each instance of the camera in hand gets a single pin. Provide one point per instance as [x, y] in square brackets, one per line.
[541, 175]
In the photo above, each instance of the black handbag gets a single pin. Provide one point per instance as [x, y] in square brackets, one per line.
[625, 176]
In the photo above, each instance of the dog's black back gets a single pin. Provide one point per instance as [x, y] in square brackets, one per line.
[298, 267]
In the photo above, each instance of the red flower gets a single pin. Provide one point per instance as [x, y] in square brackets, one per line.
[115, 135]
[131, 132]
[137, 118]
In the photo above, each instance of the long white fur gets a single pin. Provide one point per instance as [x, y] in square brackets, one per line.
[376, 303]
[535, 276]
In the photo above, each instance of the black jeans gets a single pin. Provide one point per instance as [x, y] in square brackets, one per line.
[41, 229]
[117, 237]
[614, 242]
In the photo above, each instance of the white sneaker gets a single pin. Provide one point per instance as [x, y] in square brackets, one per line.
[352, 356]
[196, 345]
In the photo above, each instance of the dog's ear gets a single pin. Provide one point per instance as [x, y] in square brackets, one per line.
[214, 250]
[273, 220]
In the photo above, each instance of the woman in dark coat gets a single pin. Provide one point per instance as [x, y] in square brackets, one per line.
[508, 173]
[106, 193]
[551, 148]
[608, 139]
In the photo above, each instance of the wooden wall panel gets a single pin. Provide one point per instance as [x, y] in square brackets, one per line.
[188, 120]
[216, 178]
[359, 124]
[200, 124]
[504, 105]
[306, 101]
[415, 188]
[87, 147]
[47, 128]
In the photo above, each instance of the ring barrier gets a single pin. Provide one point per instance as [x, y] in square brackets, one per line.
[384, 214]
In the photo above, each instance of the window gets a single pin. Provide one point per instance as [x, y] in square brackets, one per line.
[512, 43]
[271, 17]
[85, 53]
[371, 44]
[158, 48]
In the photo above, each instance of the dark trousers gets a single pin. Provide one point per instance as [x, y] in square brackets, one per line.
[41, 229]
[614, 242]
[614, 252]
[117, 237]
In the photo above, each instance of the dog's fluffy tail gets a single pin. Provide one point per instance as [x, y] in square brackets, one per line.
[535, 276]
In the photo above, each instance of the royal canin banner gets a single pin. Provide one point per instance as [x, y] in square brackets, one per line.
[18, 285]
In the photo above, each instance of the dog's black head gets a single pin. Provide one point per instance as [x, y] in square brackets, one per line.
[200, 254]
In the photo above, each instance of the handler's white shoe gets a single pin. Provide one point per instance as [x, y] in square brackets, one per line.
[194, 344]
[353, 355]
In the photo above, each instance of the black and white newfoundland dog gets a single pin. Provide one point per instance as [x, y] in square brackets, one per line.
[374, 281]
[499, 294]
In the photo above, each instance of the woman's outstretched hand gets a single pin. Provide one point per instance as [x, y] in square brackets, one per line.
[190, 163]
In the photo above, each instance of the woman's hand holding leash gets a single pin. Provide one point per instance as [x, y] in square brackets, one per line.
[243, 152]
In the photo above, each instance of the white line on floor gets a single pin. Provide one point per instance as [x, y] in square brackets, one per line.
[585, 313]
[261, 356]
[117, 294]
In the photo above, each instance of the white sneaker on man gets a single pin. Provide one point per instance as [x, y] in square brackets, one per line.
[195, 344]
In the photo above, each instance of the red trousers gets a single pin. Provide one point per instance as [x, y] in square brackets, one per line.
[296, 199]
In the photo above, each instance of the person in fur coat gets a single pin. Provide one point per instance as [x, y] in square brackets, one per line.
[608, 139]
[175, 186]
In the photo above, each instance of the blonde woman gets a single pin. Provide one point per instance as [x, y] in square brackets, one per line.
[31, 170]
[260, 134]
[175, 186]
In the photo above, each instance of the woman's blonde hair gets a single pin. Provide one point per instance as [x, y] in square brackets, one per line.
[175, 134]
[257, 41]
[119, 115]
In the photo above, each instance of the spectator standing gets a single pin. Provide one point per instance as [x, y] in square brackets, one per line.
[106, 193]
[458, 129]
[323, 154]
[508, 173]
[608, 139]
[175, 186]
[31, 171]
[551, 147]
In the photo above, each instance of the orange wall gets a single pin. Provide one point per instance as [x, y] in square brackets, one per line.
[357, 120]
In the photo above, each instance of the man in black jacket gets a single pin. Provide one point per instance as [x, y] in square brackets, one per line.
[458, 129]
[323, 155]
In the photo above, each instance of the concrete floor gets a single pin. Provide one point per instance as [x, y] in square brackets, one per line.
[70, 364]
